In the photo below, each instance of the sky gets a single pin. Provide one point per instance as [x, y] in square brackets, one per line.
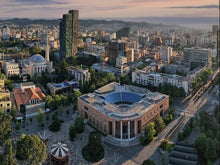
[109, 8]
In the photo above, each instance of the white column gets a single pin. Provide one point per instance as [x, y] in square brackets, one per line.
[121, 130]
[135, 128]
[128, 129]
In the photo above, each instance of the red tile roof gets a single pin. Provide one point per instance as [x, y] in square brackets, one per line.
[27, 95]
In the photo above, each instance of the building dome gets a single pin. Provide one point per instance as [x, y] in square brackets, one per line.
[36, 58]
[59, 150]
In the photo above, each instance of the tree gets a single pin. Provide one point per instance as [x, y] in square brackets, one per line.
[30, 149]
[94, 150]
[35, 50]
[56, 125]
[164, 144]
[9, 154]
[217, 113]
[40, 115]
[172, 112]
[72, 132]
[76, 94]
[79, 124]
[149, 134]
[5, 127]
[159, 124]
[13, 112]
[207, 148]
[148, 162]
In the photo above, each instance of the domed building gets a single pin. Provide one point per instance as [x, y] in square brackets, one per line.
[59, 154]
[37, 64]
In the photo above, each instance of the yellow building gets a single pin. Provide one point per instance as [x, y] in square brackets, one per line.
[5, 101]
[2, 84]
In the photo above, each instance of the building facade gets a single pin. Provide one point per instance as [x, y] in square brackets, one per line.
[122, 112]
[29, 95]
[5, 98]
[116, 48]
[154, 79]
[35, 65]
[11, 68]
[79, 74]
[195, 57]
[166, 53]
[69, 29]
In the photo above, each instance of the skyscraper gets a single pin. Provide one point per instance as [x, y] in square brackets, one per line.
[166, 53]
[69, 28]
[116, 48]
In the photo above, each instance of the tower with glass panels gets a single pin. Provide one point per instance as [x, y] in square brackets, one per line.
[69, 28]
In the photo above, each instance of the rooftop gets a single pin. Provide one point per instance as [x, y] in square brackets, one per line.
[123, 102]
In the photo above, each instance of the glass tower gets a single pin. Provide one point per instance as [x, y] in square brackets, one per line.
[69, 28]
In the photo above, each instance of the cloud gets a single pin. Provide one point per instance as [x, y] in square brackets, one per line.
[196, 7]
[106, 8]
[41, 2]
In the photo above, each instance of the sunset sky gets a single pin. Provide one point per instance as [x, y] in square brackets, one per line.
[109, 8]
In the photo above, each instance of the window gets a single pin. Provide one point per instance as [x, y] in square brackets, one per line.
[86, 108]
[8, 104]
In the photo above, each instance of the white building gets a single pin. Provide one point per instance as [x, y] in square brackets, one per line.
[79, 74]
[195, 57]
[154, 79]
[11, 68]
[37, 64]
[6, 33]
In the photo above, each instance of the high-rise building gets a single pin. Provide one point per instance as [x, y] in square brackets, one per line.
[215, 29]
[130, 55]
[69, 28]
[124, 32]
[115, 49]
[6, 32]
[166, 53]
[101, 34]
[195, 57]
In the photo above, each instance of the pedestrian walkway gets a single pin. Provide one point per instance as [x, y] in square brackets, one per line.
[111, 140]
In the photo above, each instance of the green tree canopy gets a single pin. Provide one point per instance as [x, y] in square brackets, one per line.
[79, 124]
[207, 148]
[148, 162]
[159, 124]
[72, 132]
[150, 132]
[5, 127]
[40, 115]
[30, 149]
[94, 150]
[9, 154]
[35, 50]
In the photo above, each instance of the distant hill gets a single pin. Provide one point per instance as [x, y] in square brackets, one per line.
[85, 23]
